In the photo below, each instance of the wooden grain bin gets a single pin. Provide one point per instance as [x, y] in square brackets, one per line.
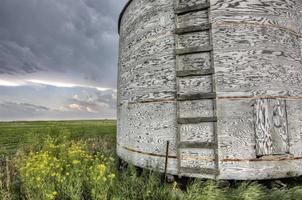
[220, 79]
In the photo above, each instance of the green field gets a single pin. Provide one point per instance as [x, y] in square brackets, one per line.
[82, 165]
[15, 134]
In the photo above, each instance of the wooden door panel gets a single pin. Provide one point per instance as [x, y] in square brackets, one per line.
[271, 127]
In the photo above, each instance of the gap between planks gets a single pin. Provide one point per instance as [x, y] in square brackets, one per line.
[194, 8]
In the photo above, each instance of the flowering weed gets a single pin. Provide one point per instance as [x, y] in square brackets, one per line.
[65, 170]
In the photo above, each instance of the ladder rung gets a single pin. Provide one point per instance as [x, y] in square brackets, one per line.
[197, 96]
[201, 72]
[190, 29]
[209, 171]
[196, 120]
[192, 50]
[197, 145]
[194, 8]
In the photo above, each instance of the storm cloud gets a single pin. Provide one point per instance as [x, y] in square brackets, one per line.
[59, 43]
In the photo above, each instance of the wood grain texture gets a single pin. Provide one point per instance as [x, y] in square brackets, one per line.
[236, 131]
[197, 158]
[192, 9]
[242, 171]
[257, 51]
[301, 44]
[147, 61]
[189, 85]
[201, 72]
[197, 108]
[264, 143]
[278, 110]
[194, 39]
[141, 13]
[196, 96]
[192, 19]
[196, 120]
[186, 3]
[284, 13]
[147, 73]
[193, 61]
[147, 161]
[191, 29]
[193, 50]
[260, 170]
[147, 127]
[271, 127]
[294, 110]
[196, 145]
[162, 45]
[256, 61]
[202, 132]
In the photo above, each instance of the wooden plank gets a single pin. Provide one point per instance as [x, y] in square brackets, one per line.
[186, 3]
[236, 129]
[199, 171]
[264, 144]
[195, 120]
[192, 19]
[194, 8]
[196, 108]
[195, 61]
[190, 29]
[148, 75]
[196, 96]
[245, 63]
[195, 84]
[276, 12]
[197, 145]
[271, 127]
[194, 39]
[197, 157]
[294, 118]
[201, 72]
[155, 118]
[192, 50]
[202, 132]
[279, 126]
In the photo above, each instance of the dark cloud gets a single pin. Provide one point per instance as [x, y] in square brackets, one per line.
[19, 111]
[75, 37]
[24, 106]
[15, 59]
[56, 56]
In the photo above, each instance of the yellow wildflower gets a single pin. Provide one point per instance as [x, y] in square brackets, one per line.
[112, 176]
[75, 162]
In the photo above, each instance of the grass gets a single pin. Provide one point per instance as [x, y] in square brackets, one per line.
[14, 135]
[71, 160]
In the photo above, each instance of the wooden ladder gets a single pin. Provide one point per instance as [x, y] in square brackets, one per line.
[190, 74]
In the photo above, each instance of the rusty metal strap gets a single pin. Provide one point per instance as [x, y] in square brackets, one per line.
[264, 159]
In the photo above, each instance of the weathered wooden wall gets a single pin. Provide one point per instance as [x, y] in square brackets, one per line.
[258, 70]
[257, 60]
[146, 93]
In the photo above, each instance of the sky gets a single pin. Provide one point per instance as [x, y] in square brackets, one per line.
[58, 59]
